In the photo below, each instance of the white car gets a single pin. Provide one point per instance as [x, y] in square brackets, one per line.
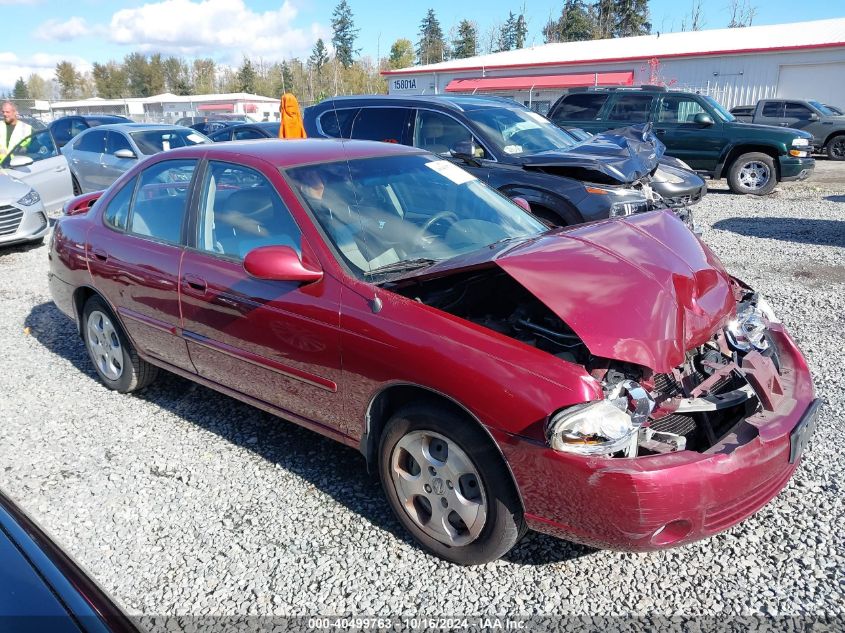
[23, 217]
[34, 180]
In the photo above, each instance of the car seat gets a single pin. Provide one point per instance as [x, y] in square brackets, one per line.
[431, 136]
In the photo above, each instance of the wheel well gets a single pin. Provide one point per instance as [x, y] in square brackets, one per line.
[392, 399]
[80, 297]
[554, 209]
[832, 136]
[736, 152]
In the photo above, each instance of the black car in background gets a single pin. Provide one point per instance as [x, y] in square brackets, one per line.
[43, 589]
[246, 132]
[210, 127]
[66, 127]
[520, 153]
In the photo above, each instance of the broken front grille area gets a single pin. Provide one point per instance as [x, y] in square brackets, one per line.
[703, 400]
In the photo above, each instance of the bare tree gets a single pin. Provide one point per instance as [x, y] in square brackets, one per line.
[742, 13]
[694, 20]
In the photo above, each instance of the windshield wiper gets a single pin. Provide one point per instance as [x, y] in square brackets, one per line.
[395, 267]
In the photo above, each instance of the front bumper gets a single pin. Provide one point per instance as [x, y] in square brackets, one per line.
[22, 224]
[796, 168]
[660, 501]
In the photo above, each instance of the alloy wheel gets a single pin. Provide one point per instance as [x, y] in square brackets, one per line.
[754, 175]
[104, 344]
[439, 487]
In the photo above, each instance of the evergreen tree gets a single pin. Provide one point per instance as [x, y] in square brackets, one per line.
[287, 78]
[20, 91]
[466, 44]
[631, 18]
[604, 18]
[520, 31]
[507, 34]
[319, 56]
[246, 77]
[344, 34]
[431, 48]
[155, 75]
[401, 54]
[69, 80]
[109, 80]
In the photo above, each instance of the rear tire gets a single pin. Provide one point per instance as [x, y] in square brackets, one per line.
[115, 359]
[77, 190]
[753, 173]
[836, 147]
[433, 464]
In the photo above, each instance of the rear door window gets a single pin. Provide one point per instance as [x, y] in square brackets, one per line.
[580, 107]
[338, 123]
[159, 207]
[93, 141]
[631, 108]
[117, 212]
[388, 125]
[773, 109]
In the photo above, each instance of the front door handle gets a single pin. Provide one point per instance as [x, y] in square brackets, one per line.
[196, 284]
[61, 168]
[100, 254]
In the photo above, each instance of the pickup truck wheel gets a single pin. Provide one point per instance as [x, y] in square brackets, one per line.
[753, 173]
[836, 148]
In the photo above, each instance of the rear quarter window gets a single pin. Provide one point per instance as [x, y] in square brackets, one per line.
[338, 123]
[579, 107]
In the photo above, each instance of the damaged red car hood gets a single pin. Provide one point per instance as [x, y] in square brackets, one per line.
[641, 289]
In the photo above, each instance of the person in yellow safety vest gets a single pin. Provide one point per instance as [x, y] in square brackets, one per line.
[12, 131]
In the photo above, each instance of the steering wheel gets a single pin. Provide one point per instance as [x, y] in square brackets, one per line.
[424, 231]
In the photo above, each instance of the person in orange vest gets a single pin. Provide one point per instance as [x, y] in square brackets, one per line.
[12, 130]
[290, 125]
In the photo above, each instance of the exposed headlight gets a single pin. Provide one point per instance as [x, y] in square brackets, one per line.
[748, 330]
[30, 198]
[620, 209]
[800, 142]
[604, 427]
[593, 428]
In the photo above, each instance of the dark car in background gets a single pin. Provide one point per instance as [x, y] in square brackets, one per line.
[826, 126]
[44, 589]
[67, 127]
[98, 156]
[246, 132]
[696, 129]
[189, 121]
[209, 127]
[519, 152]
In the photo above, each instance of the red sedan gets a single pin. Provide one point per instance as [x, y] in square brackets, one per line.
[609, 384]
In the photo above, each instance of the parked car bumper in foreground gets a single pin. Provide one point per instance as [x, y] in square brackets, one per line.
[668, 500]
[796, 168]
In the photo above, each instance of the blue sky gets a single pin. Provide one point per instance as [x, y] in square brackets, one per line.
[39, 33]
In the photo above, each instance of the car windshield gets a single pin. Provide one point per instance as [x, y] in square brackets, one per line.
[392, 214]
[519, 132]
[155, 141]
[822, 108]
[720, 110]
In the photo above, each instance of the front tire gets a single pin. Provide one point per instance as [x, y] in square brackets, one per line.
[836, 148]
[77, 190]
[753, 173]
[115, 359]
[448, 485]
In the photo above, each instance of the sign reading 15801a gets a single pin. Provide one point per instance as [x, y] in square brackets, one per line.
[404, 84]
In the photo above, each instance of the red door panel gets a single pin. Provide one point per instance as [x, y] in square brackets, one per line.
[139, 277]
[272, 340]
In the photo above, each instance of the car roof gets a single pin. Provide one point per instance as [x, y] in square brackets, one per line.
[459, 103]
[139, 127]
[265, 125]
[293, 152]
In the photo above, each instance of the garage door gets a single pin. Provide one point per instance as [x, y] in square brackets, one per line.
[821, 82]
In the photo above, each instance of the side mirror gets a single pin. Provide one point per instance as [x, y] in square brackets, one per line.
[467, 151]
[814, 116]
[522, 202]
[279, 263]
[20, 161]
[125, 153]
[702, 119]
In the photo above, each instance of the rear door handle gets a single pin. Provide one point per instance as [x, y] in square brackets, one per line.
[660, 132]
[100, 254]
[192, 282]
[61, 168]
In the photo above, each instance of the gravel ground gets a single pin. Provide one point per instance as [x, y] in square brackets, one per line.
[183, 501]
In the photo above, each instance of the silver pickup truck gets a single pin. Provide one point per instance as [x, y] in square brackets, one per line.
[826, 124]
